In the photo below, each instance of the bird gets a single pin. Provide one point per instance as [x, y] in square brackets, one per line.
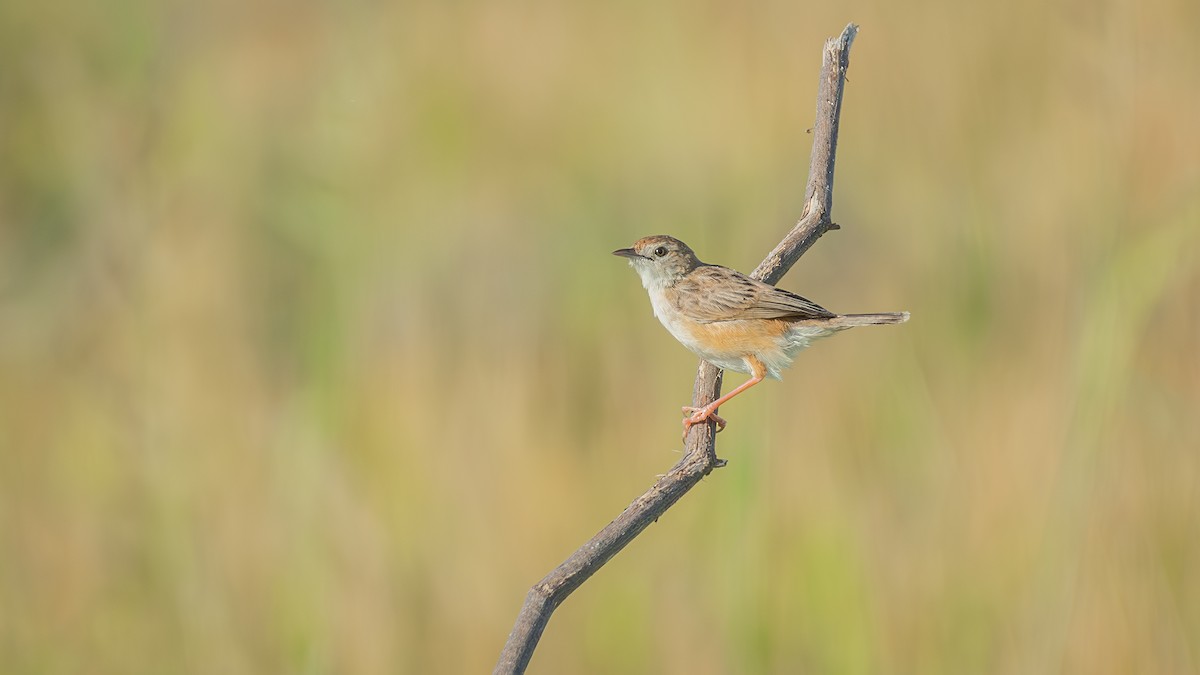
[729, 319]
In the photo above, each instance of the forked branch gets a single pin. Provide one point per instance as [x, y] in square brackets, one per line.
[700, 456]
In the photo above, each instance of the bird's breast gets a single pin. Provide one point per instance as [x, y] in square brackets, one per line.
[725, 344]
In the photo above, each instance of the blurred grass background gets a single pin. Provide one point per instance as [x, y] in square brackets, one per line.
[313, 356]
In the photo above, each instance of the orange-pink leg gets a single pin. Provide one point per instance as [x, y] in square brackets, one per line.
[709, 411]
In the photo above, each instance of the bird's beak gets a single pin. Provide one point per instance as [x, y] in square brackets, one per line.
[627, 253]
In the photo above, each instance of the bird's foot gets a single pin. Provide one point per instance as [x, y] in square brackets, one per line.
[698, 415]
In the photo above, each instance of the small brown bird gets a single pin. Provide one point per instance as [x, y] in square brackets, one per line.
[729, 319]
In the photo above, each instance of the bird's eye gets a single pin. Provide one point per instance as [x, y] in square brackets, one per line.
[660, 251]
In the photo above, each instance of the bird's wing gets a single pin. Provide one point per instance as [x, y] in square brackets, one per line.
[714, 293]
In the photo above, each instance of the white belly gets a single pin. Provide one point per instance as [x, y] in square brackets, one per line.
[776, 355]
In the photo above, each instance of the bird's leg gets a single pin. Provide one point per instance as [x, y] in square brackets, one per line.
[698, 415]
[709, 411]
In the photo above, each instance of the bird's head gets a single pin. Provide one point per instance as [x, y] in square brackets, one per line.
[660, 260]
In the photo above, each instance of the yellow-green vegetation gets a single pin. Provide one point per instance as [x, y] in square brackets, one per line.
[313, 356]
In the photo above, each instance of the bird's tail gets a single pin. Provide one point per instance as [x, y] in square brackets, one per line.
[852, 320]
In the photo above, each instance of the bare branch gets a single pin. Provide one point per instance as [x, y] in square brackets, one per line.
[700, 456]
[815, 220]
